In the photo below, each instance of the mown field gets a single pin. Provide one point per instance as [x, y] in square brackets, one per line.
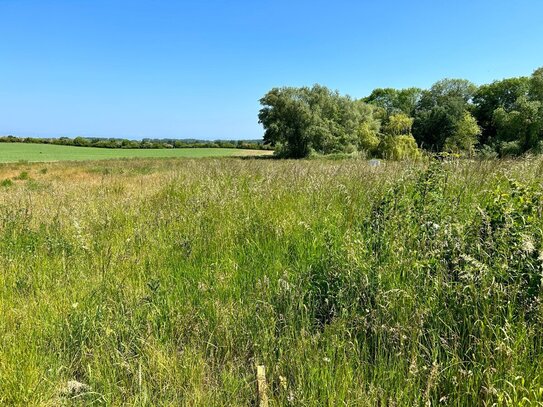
[13, 152]
[164, 282]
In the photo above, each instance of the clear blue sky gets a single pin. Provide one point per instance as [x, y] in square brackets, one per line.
[197, 68]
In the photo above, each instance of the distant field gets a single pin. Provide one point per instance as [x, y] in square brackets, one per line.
[12, 152]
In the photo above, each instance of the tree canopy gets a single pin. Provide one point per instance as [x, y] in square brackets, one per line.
[298, 121]
[504, 117]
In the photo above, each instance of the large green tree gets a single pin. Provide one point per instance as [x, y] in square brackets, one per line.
[301, 120]
[520, 129]
[518, 120]
[498, 94]
[440, 110]
[536, 85]
[397, 142]
[395, 100]
[464, 138]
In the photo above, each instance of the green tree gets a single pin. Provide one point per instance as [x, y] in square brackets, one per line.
[286, 117]
[498, 94]
[397, 141]
[81, 141]
[522, 125]
[368, 139]
[440, 110]
[536, 85]
[394, 100]
[300, 120]
[399, 147]
[398, 124]
[464, 138]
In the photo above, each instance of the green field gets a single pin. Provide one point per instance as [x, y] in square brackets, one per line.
[12, 152]
[165, 282]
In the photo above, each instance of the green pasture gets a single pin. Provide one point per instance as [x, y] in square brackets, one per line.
[13, 152]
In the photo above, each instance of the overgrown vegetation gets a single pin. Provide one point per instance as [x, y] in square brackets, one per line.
[163, 282]
[504, 118]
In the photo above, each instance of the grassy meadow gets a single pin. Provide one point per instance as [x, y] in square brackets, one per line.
[164, 282]
[13, 152]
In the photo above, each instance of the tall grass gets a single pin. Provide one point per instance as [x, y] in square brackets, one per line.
[165, 282]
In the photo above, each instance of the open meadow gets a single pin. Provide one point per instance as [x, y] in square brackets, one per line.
[165, 282]
[13, 152]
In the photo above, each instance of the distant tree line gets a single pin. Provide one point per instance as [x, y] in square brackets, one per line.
[137, 144]
[503, 118]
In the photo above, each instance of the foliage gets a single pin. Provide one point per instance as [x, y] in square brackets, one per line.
[400, 147]
[487, 152]
[440, 111]
[397, 141]
[6, 183]
[504, 118]
[394, 100]
[464, 138]
[301, 120]
[523, 124]
[398, 124]
[510, 113]
[368, 139]
[499, 94]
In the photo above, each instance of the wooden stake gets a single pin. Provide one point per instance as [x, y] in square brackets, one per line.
[262, 386]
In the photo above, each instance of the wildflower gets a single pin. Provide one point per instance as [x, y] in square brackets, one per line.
[290, 397]
[432, 225]
[283, 382]
[528, 245]
[73, 388]
[284, 285]
[413, 368]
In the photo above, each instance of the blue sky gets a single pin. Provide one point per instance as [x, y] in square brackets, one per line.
[188, 69]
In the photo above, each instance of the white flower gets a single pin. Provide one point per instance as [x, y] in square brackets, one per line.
[73, 388]
[528, 245]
